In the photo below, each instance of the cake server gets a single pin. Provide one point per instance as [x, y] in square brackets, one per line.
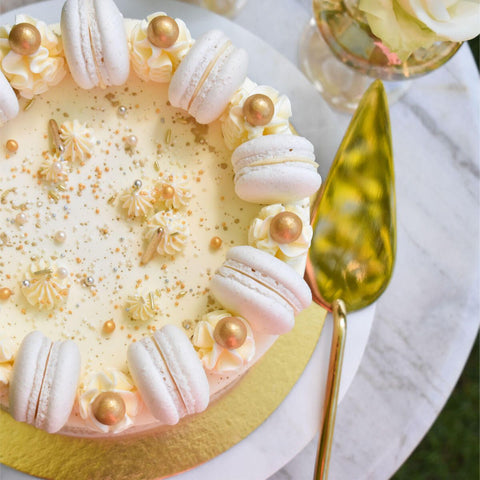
[354, 242]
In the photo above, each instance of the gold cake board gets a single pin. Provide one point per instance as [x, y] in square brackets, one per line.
[179, 448]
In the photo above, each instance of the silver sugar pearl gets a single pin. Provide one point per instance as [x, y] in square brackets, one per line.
[137, 184]
[89, 281]
[122, 110]
[26, 283]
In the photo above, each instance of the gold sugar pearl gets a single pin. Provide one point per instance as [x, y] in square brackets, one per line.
[163, 31]
[24, 39]
[109, 327]
[258, 110]
[216, 243]
[11, 145]
[285, 227]
[5, 293]
[168, 192]
[109, 408]
[230, 332]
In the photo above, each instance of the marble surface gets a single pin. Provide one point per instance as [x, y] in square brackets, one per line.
[426, 321]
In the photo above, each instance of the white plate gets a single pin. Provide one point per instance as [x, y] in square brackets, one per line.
[266, 449]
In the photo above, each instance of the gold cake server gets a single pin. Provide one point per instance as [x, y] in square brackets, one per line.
[354, 237]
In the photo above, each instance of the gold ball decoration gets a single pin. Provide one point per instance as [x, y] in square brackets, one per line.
[5, 293]
[285, 227]
[215, 243]
[230, 332]
[24, 39]
[162, 31]
[109, 408]
[109, 327]
[11, 145]
[258, 110]
[168, 192]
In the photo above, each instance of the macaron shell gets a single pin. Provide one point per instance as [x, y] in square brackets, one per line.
[275, 169]
[185, 368]
[8, 101]
[151, 377]
[261, 288]
[59, 386]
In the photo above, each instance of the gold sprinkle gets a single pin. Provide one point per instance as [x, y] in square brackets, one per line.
[168, 136]
[55, 133]
[111, 199]
[156, 166]
[29, 104]
[61, 187]
[45, 271]
[152, 300]
[54, 195]
[111, 98]
[182, 294]
[3, 197]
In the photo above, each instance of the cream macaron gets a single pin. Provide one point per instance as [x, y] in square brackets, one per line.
[265, 291]
[44, 382]
[8, 101]
[208, 76]
[169, 375]
[95, 43]
[275, 169]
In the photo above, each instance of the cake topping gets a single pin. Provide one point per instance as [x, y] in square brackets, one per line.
[152, 246]
[282, 230]
[108, 327]
[108, 401]
[224, 343]
[216, 243]
[173, 192]
[138, 203]
[53, 169]
[5, 293]
[33, 73]
[249, 107]
[7, 351]
[175, 232]
[154, 55]
[77, 139]
[21, 219]
[11, 145]
[142, 309]
[258, 110]
[55, 135]
[24, 39]
[42, 290]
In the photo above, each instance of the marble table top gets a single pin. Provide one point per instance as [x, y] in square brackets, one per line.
[428, 318]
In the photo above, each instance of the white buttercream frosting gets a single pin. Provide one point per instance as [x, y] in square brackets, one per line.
[154, 63]
[140, 308]
[181, 195]
[77, 139]
[236, 130]
[112, 380]
[293, 253]
[7, 352]
[33, 74]
[137, 203]
[44, 290]
[53, 169]
[215, 357]
[175, 232]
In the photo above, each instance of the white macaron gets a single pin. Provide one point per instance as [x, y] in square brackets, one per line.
[169, 375]
[208, 76]
[8, 101]
[275, 169]
[95, 43]
[265, 291]
[44, 382]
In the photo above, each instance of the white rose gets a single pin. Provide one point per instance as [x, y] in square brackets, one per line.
[406, 25]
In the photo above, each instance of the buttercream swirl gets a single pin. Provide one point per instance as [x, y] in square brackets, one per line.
[175, 232]
[36, 73]
[140, 308]
[111, 380]
[53, 169]
[293, 253]
[43, 289]
[77, 139]
[236, 130]
[154, 63]
[181, 193]
[7, 352]
[137, 203]
[215, 357]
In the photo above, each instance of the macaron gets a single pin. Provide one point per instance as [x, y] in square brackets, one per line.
[95, 43]
[169, 375]
[265, 291]
[44, 382]
[208, 76]
[8, 101]
[275, 169]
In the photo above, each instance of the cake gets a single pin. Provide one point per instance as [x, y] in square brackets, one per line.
[154, 220]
